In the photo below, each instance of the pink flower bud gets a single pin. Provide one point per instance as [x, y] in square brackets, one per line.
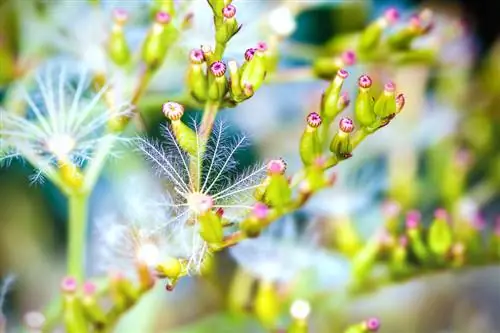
[120, 16]
[313, 119]
[403, 241]
[478, 222]
[349, 58]
[441, 214]
[89, 288]
[391, 209]
[163, 17]
[69, 284]
[342, 73]
[173, 110]
[260, 210]
[277, 166]
[365, 81]
[346, 125]
[218, 68]
[413, 219]
[229, 11]
[391, 15]
[390, 87]
[249, 53]
[196, 56]
[261, 46]
[372, 324]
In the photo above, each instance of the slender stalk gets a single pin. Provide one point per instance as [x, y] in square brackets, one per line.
[77, 234]
[207, 122]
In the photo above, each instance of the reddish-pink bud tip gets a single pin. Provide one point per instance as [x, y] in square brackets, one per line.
[346, 125]
[229, 11]
[218, 68]
[261, 46]
[249, 53]
[342, 73]
[413, 219]
[69, 284]
[391, 209]
[260, 210]
[89, 288]
[163, 17]
[441, 214]
[173, 110]
[349, 58]
[313, 119]
[277, 166]
[365, 81]
[196, 56]
[391, 15]
[390, 87]
[372, 324]
[120, 16]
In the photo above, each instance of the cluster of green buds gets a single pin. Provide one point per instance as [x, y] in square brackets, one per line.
[82, 304]
[380, 41]
[412, 248]
[207, 80]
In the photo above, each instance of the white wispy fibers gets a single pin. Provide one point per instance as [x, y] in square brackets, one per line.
[221, 183]
[4, 289]
[283, 252]
[64, 121]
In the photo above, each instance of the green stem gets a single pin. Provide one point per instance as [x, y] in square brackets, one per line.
[207, 122]
[77, 234]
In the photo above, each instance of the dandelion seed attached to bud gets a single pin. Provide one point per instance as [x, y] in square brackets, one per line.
[163, 18]
[249, 53]
[218, 68]
[148, 254]
[173, 110]
[199, 202]
[196, 56]
[372, 324]
[300, 309]
[229, 11]
[277, 166]
[120, 16]
[69, 284]
[313, 119]
[365, 81]
[346, 125]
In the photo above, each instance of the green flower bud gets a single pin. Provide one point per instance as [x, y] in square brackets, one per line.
[234, 75]
[267, 304]
[341, 143]
[253, 72]
[91, 308]
[210, 223]
[118, 48]
[74, 319]
[327, 67]
[252, 226]
[398, 259]
[310, 145]
[185, 136]
[278, 192]
[364, 260]
[419, 25]
[157, 41]
[346, 238]
[363, 105]
[166, 6]
[330, 103]
[440, 236]
[197, 80]
[170, 268]
[370, 37]
[218, 6]
[229, 26]
[414, 232]
[385, 105]
[217, 82]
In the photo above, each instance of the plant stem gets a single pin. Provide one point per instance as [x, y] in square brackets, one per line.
[77, 234]
[207, 122]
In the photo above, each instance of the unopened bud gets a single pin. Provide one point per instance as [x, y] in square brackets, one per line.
[173, 110]
[313, 120]
[229, 11]
[346, 125]
[277, 166]
[196, 56]
[218, 68]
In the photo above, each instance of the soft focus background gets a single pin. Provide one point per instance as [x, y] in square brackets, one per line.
[447, 133]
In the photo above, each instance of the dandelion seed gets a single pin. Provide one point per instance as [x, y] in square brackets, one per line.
[64, 122]
[214, 184]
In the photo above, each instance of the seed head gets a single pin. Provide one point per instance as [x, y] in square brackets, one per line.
[173, 110]
[313, 119]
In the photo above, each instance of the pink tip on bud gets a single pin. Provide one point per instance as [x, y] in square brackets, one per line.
[120, 15]
[400, 102]
[277, 166]
[313, 119]
[89, 288]
[478, 222]
[441, 214]
[365, 81]
[403, 241]
[69, 284]
[163, 17]
[249, 53]
[349, 58]
[260, 210]
[196, 56]
[390, 87]
[342, 73]
[391, 209]
[173, 110]
[218, 68]
[372, 324]
[391, 15]
[413, 219]
[346, 125]
[261, 46]
[229, 11]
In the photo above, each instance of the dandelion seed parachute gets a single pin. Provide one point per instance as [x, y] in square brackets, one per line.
[64, 120]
